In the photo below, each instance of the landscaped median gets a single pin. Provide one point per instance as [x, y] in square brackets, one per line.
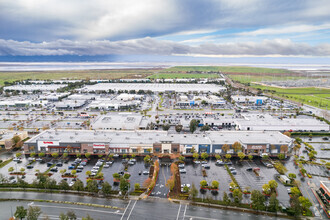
[65, 202]
[4, 163]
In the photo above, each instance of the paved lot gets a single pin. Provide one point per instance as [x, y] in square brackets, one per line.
[160, 190]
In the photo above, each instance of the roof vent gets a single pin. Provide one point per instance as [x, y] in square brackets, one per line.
[71, 137]
[126, 138]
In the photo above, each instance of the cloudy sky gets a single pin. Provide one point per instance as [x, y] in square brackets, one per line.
[196, 28]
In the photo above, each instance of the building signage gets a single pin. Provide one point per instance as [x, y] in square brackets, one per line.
[99, 146]
[256, 147]
[48, 143]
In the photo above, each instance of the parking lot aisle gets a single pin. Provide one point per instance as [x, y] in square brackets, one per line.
[160, 190]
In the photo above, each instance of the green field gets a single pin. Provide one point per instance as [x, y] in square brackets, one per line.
[310, 96]
[225, 69]
[83, 74]
[181, 76]
[253, 78]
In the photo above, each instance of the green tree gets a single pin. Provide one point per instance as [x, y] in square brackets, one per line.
[273, 203]
[87, 155]
[71, 215]
[88, 173]
[193, 192]
[137, 186]
[33, 154]
[228, 156]
[266, 189]
[193, 125]
[73, 172]
[215, 184]
[205, 128]
[166, 127]
[238, 196]
[78, 155]
[204, 156]
[195, 156]
[18, 154]
[92, 186]
[11, 169]
[265, 156]
[147, 159]
[50, 183]
[273, 185]
[106, 188]
[65, 155]
[63, 185]
[292, 176]
[241, 155]
[181, 158]
[295, 191]
[78, 185]
[33, 213]
[250, 157]
[63, 216]
[87, 218]
[21, 212]
[305, 203]
[124, 185]
[41, 154]
[55, 154]
[295, 205]
[226, 199]
[258, 200]
[203, 183]
[217, 157]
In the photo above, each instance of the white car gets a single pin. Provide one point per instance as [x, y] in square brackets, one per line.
[197, 162]
[183, 171]
[181, 165]
[106, 166]
[71, 184]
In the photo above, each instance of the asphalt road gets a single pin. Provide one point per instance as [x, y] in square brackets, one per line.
[135, 209]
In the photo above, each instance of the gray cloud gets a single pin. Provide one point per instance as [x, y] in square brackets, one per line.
[47, 20]
[150, 46]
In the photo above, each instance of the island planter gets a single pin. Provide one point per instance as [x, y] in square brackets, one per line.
[302, 173]
[116, 180]
[43, 174]
[269, 194]
[93, 178]
[17, 173]
[295, 162]
[246, 192]
[209, 188]
[69, 176]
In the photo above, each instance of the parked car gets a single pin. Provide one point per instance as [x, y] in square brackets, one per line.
[29, 166]
[234, 172]
[183, 171]
[146, 172]
[49, 164]
[39, 159]
[71, 167]
[219, 162]
[54, 169]
[106, 166]
[206, 166]
[197, 162]
[17, 159]
[181, 165]
[71, 184]
[59, 164]
[249, 169]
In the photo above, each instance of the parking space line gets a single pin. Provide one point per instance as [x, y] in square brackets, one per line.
[197, 217]
[129, 215]
[125, 210]
[184, 213]
[177, 217]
